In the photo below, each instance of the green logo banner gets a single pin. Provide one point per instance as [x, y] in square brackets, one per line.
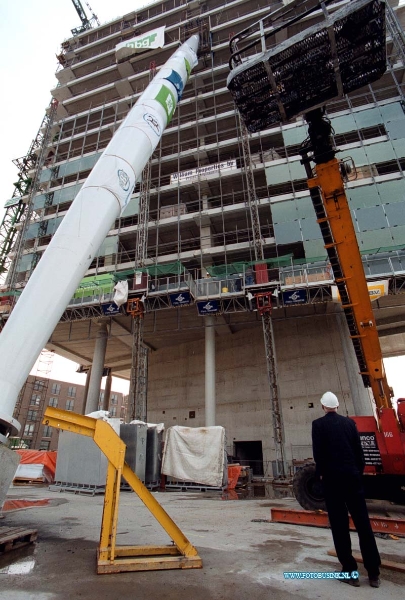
[167, 100]
[188, 68]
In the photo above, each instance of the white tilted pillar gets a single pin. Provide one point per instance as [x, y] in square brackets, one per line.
[102, 198]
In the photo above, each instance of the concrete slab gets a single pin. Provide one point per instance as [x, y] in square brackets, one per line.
[243, 555]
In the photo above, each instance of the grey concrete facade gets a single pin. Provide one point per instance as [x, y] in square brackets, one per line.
[310, 361]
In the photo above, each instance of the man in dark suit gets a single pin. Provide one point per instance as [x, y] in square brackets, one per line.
[340, 464]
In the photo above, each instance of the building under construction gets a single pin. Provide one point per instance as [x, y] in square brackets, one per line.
[232, 315]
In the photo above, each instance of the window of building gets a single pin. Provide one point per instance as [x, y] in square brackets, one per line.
[35, 400]
[47, 431]
[113, 411]
[39, 385]
[44, 445]
[114, 399]
[71, 391]
[29, 429]
[56, 388]
[101, 397]
[70, 404]
[53, 401]
[32, 415]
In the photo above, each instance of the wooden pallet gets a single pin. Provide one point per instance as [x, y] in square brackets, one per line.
[26, 481]
[12, 538]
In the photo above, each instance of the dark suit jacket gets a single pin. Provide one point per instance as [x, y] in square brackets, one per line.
[336, 446]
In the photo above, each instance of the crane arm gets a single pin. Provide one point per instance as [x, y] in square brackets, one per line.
[333, 214]
[80, 11]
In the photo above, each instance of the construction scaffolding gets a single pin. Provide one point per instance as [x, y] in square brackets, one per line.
[19, 209]
[264, 306]
[139, 367]
[20, 216]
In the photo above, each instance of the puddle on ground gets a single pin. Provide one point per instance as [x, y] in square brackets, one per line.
[17, 562]
[259, 490]
[18, 504]
[12, 504]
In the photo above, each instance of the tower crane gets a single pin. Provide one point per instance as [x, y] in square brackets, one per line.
[86, 23]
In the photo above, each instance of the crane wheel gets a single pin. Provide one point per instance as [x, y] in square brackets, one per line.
[308, 489]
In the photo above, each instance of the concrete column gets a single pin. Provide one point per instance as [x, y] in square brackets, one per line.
[360, 396]
[86, 390]
[107, 390]
[209, 323]
[97, 367]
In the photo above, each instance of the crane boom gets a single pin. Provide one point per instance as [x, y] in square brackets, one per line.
[327, 192]
[82, 15]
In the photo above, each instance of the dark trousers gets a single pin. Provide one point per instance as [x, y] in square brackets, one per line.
[344, 494]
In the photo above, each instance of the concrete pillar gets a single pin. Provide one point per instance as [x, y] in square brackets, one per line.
[209, 323]
[107, 390]
[360, 396]
[86, 390]
[97, 367]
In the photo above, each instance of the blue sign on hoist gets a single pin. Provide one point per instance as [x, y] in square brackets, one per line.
[180, 299]
[208, 308]
[295, 297]
[110, 309]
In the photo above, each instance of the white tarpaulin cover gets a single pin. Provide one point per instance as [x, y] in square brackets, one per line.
[121, 292]
[159, 426]
[195, 454]
[34, 471]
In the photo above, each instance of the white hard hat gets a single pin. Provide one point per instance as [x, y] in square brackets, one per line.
[329, 400]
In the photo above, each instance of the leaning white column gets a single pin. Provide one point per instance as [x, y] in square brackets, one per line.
[100, 201]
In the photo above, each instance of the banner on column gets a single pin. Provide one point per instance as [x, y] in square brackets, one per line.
[151, 39]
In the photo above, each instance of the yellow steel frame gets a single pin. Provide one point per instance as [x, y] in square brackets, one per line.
[112, 558]
[328, 179]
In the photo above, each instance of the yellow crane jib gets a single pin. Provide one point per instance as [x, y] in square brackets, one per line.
[112, 558]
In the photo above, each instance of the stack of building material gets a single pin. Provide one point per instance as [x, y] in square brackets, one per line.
[195, 454]
[81, 465]
[36, 466]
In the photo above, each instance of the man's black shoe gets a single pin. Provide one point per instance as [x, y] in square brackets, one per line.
[353, 581]
[374, 582]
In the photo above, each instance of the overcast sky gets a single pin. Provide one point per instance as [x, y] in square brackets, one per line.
[31, 32]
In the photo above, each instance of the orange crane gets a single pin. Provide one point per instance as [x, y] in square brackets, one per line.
[298, 77]
[383, 437]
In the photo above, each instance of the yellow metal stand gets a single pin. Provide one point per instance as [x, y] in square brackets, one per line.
[110, 557]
